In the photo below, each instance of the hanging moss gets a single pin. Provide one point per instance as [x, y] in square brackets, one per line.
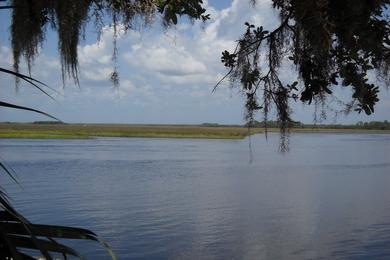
[329, 42]
[71, 17]
[30, 19]
[27, 29]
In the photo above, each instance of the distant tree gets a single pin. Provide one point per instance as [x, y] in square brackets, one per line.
[48, 123]
[210, 124]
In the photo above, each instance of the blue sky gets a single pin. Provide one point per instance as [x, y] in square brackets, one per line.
[166, 75]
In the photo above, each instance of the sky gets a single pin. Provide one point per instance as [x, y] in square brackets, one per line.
[166, 75]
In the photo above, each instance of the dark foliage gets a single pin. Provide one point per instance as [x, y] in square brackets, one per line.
[30, 19]
[16, 232]
[329, 42]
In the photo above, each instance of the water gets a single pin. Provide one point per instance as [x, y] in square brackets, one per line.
[203, 199]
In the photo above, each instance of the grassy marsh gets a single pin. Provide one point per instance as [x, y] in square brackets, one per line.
[87, 131]
[80, 131]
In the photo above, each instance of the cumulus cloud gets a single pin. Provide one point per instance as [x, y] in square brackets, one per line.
[160, 67]
[188, 56]
[168, 61]
[172, 69]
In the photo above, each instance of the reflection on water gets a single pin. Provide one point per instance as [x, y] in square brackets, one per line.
[203, 199]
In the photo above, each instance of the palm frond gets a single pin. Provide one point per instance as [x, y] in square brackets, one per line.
[19, 233]
[9, 105]
[16, 232]
[8, 171]
[34, 82]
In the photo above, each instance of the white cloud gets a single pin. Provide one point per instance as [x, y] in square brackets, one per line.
[186, 56]
[189, 55]
[170, 68]
[5, 57]
[160, 68]
[94, 54]
[169, 61]
[97, 74]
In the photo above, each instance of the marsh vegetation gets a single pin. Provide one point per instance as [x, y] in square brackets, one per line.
[88, 131]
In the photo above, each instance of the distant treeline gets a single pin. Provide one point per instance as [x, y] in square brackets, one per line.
[37, 122]
[373, 125]
[218, 125]
[48, 123]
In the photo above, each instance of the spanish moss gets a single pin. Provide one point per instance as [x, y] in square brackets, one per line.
[31, 19]
[329, 42]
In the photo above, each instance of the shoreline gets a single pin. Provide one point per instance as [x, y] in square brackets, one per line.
[79, 132]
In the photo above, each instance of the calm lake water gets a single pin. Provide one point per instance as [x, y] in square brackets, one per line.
[329, 197]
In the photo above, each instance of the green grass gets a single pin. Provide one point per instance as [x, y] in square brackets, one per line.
[79, 131]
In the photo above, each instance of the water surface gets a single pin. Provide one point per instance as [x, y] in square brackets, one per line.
[329, 197]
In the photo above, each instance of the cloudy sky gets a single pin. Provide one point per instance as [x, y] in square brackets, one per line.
[166, 75]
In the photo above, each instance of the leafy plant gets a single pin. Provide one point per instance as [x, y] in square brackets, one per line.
[16, 232]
